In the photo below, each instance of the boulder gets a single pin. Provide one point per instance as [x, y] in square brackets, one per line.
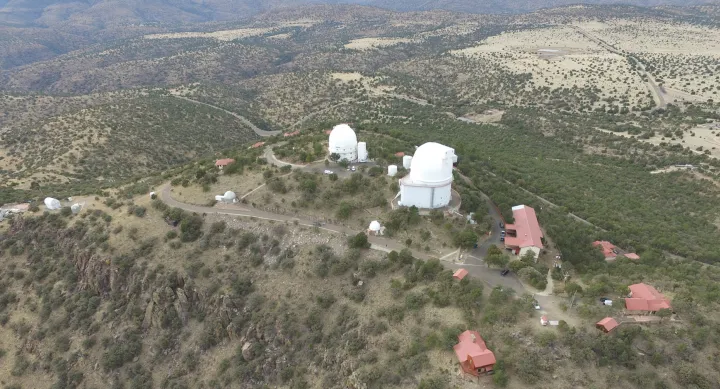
[247, 352]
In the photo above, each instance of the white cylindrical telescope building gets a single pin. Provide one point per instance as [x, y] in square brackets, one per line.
[392, 170]
[406, 161]
[362, 154]
[343, 142]
[429, 183]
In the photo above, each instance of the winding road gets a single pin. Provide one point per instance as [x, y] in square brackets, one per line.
[248, 123]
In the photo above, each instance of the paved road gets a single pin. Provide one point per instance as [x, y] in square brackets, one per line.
[248, 123]
[654, 88]
[269, 155]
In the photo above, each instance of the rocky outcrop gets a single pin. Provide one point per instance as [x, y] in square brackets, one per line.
[247, 351]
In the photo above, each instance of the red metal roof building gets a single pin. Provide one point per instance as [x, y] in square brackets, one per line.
[289, 134]
[258, 144]
[400, 154]
[223, 162]
[460, 274]
[525, 234]
[473, 354]
[607, 324]
[611, 252]
[645, 298]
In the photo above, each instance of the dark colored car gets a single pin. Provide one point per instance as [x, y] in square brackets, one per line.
[502, 238]
[505, 272]
[501, 224]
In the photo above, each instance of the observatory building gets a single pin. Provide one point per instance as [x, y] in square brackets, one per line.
[343, 142]
[429, 183]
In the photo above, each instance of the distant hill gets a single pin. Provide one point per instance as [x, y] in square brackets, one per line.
[107, 13]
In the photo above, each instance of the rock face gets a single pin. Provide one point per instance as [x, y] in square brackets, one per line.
[247, 351]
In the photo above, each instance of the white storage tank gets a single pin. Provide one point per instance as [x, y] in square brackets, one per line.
[362, 152]
[392, 170]
[407, 160]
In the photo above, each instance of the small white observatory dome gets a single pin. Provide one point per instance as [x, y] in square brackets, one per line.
[52, 204]
[374, 226]
[343, 141]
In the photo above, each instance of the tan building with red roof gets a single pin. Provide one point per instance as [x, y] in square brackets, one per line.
[473, 354]
[460, 274]
[607, 324]
[221, 163]
[525, 234]
[644, 298]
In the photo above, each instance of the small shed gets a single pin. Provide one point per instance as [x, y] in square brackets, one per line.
[460, 274]
[544, 320]
[400, 154]
[607, 324]
[258, 144]
[632, 256]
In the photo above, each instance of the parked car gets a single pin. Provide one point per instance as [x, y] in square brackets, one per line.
[502, 238]
[504, 272]
[536, 305]
[501, 224]
[353, 168]
[328, 172]
[602, 299]
[502, 233]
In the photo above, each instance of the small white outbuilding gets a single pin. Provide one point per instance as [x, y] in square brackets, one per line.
[392, 170]
[228, 197]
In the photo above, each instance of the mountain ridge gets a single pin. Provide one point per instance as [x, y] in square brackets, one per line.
[101, 13]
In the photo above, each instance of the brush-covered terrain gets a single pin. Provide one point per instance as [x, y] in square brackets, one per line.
[605, 119]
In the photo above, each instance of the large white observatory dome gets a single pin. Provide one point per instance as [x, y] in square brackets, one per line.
[429, 183]
[343, 141]
[432, 164]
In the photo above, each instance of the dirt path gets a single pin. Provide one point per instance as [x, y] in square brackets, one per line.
[255, 128]
[377, 242]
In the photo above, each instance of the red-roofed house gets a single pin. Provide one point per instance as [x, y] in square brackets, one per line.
[611, 252]
[460, 274]
[525, 234]
[289, 134]
[607, 324]
[221, 163]
[258, 144]
[645, 299]
[400, 154]
[473, 355]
